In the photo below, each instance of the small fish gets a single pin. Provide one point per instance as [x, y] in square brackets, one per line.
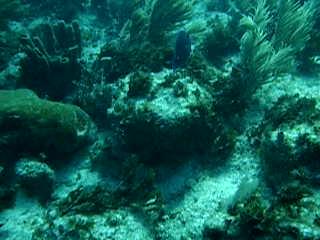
[182, 50]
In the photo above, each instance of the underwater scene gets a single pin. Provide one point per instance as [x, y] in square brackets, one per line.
[159, 120]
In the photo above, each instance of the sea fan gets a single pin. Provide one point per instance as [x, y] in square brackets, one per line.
[166, 15]
[263, 55]
[268, 48]
[295, 22]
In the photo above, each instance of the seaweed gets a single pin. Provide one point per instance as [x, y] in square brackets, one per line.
[278, 217]
[308, 58]
[265, 54]
[258, 57]
[294, 24]
[165, 16]
[86, 200]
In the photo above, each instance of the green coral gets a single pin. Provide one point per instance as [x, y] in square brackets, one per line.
[266, 54]
[258, 57]
[294, 24]
[139, 26]
[30, 124]
[308, 59]
[262, 57]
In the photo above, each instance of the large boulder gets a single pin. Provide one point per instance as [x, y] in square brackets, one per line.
[290, 140]
[36, 178]
[29, 124]
[164, 115]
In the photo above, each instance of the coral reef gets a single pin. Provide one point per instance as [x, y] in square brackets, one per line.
[285, 216]
[143, 37]
[290, 213]
[264, 55]
[159, 119]
[95, 208]
[117, 62]
[290, 139]
[308, 58]
[30, 124]
[9, 10]
[94, 99]
[139, 84]
[175, 116]
[165, 16]
[36, 178]
[8, 44]
[52, 59]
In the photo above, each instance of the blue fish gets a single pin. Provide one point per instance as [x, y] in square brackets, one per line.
[182, 50]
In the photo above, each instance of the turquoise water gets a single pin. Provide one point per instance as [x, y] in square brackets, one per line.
[159, 119]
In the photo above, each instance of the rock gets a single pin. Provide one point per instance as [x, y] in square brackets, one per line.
[173, 116]
[36, 178]
[290, 140]
[32, 125]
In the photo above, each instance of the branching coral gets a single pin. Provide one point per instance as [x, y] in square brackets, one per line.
[262, 57]
[258, 57]
[51, 64]
[265, 53]
[294, 24]
[167, 14]
[245, 7]
[139, 26]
